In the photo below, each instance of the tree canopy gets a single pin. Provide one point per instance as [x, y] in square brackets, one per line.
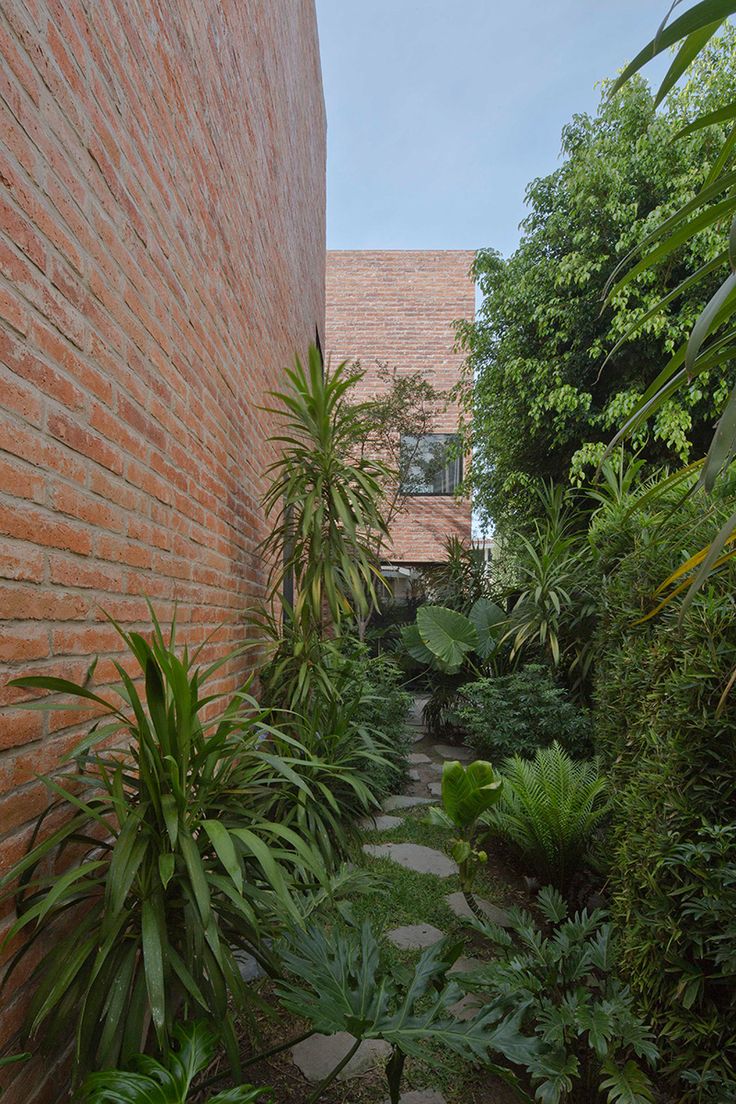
[545, 400]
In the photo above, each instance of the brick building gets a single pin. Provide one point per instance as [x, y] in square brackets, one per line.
[397, 308]
[162, 244]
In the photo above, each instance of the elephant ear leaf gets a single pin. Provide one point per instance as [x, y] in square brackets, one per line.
[486, 618]
[412, 641]
[468, 793]
[447, 634]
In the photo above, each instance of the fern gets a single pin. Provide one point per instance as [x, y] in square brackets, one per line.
[549, 809]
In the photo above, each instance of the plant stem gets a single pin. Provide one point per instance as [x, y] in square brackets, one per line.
[473, 905]
[258, 1058]
[313, 1097]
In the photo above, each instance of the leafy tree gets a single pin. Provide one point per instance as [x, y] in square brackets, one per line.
[542, 404]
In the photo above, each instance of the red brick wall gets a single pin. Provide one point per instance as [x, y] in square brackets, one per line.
[161, 261]
[398, 307]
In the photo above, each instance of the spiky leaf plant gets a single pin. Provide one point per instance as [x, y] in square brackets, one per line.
[549, 809]
[158, 858]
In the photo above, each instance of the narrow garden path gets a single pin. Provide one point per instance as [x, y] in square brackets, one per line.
[417, 902]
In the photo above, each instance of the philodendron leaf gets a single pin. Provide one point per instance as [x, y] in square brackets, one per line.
[447, 634]
[469, 792]
[412, 641]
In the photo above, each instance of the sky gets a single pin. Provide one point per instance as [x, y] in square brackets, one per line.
[440, 112]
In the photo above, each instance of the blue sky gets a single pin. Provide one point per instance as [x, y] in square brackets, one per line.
[440, 112]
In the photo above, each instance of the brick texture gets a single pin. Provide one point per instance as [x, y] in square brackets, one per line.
[397, 308]
[161, 261]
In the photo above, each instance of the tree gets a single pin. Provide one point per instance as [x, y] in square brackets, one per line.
[542, 402]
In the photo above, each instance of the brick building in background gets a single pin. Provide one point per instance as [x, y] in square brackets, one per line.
[162, 245]
[397, 308]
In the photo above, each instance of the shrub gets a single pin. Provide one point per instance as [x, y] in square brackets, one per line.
[518, 713]
[558, 991]
[549, 809]
[665, 731]
[180, 862]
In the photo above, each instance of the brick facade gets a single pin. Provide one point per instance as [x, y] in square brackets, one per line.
[161, 261]
[397, 308]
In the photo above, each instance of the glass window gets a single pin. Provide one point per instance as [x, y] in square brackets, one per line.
[431, 464]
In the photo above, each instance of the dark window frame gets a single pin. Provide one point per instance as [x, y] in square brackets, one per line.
[405, 486]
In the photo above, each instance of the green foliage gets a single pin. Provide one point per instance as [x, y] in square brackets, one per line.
[467, 794]
[664, 722]
[583, 1035]
[460, 580]
[517, 713]
[541, 404]
[338, 982]
[323, 500]
[162, 839]
[444, 639]
[170, 1082]
[549, 809]
[710, 347]
[354, 740]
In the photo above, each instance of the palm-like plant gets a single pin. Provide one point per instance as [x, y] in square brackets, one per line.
[324, 498]
[166, 860]
[549, 809]
[168, 1082]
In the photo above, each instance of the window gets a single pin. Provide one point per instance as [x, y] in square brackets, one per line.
[431, 464]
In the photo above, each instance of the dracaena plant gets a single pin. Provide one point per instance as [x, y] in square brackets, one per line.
[166, 861]
[557, 986]
[324, 500]
[338, 981]
[468, 793]
[169, 1082]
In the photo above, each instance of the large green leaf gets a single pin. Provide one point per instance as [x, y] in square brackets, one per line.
[487, 619]
[468, 792]
[447, 634]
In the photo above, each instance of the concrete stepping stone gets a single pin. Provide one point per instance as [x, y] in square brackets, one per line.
[413, 937]
[421, 1096]
[457, 903]
[317, 1056]
[418, 735]
[414, 856]
[435, 788]
[418, 757]
[465, 965]
[379, 823]
[449, 751]
[403, 801]
[249, 967]
[437, 768]
[414, 775]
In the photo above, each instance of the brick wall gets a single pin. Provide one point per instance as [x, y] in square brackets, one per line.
[397, 307]
[161, 261]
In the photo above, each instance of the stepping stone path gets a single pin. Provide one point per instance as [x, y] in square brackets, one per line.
[460, 907]
[317, 1056]
[403, 801]
[414, 856]
[414, 936]
[380, 823]
[449, 751]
